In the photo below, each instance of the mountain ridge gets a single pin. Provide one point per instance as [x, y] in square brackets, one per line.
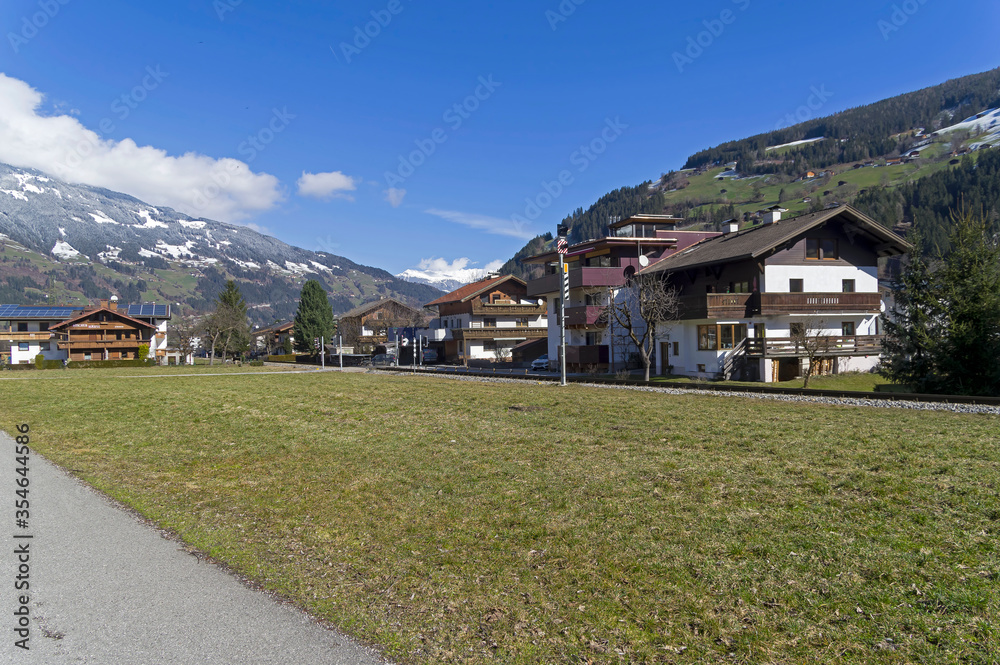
[77, 243]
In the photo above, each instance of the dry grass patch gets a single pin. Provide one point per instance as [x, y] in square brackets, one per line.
[464, 522]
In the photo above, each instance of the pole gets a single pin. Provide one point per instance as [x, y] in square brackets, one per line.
[340, 348]
[322, 351]
[564, 271]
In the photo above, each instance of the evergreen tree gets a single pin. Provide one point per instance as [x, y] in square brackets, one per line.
[944, 331]
[314, 318]
[229, 324]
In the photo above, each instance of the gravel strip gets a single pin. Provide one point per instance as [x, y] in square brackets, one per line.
[838, 401]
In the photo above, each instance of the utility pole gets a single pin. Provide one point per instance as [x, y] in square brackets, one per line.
[562, 246]
[322, 351]
[340, 348]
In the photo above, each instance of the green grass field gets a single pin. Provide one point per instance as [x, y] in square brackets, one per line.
[454, 521]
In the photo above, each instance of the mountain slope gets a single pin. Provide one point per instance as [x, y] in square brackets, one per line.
[888, 144]
[72, 243]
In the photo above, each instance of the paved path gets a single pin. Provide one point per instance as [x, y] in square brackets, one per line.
[107, 589]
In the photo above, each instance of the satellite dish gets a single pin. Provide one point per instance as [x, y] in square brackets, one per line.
[644, 260]
[541, 301]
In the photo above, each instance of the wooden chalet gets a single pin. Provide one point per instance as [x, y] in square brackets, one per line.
[103, 333]
[368, 326]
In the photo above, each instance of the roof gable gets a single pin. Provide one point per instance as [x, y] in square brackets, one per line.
[91, 312]
[762, 240]
[361, 310]
[472, 290]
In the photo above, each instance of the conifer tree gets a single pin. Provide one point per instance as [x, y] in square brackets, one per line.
[314, 318]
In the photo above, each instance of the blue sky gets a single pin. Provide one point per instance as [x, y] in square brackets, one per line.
[428, 137]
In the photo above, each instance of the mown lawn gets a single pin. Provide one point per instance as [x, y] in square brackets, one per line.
[457, 521]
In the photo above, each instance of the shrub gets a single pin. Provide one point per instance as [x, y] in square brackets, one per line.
[40, 361]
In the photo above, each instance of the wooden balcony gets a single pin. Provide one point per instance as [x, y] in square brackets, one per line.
[583, 316]
[101, 343]
[499, 309]
[719, 306]
[746, 305]
[499, 333]
[587, 355]
[818, 303]
[579, 278]
[785, 347]
[15, 336]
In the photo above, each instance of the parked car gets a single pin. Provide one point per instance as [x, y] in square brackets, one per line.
[383, 360]
[541, 362]
[430, 356]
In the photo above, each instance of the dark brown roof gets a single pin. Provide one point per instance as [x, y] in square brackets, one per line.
[759, 240]
[361, 310]
[87, 313]
[471, 290]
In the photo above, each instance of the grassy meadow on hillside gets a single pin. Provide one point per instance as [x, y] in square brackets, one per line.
[452, 521]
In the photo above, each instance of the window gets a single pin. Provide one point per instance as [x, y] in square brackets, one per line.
[721, 337]
[795, 286]
[847, 328]
[677, 348]
[44, 346]
[594, 299]
[821, 249]
[43, 326]
[848, 286]
[490, 322]
[603, 261]
[797, 329]
[707, 338]
[22, 346]
[593, 338]
[22, 327]
[521, 322]
[86, 356]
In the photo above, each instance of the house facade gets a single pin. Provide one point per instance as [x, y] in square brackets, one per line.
[765, 302]
[370, 325]
[598, 269]
[26, 332]
[103, 333]
[486, 319]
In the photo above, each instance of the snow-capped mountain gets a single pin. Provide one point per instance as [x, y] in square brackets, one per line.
[445, 275]
[77, 226]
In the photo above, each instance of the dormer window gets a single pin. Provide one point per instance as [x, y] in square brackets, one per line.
[821, 249]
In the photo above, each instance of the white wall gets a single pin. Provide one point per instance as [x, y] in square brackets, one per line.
[820, 278]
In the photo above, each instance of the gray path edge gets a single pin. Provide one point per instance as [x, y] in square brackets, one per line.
[108, 586]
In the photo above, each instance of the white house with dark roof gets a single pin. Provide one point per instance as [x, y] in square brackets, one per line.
[757, 303]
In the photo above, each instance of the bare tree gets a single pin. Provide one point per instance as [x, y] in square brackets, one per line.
[501, 354]
[183, 333]
[645, 301]
[811, 339]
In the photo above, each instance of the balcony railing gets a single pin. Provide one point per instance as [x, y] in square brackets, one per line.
[500, 309]
[719, 306]
[587, 355]
[786, 347]
[101, 343]
[579, 278]
[499, 333]
[15, 336]
[806, 303]
[583, 316]
[745, 305]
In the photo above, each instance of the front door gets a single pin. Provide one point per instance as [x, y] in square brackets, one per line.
[664, 358]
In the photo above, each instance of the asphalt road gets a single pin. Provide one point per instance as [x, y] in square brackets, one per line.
[107, 589]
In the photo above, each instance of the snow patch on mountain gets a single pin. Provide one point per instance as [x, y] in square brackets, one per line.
[196, 224]
[16, 194]
[150, 222]
[64, 250]
[320, 266]
[101, 218]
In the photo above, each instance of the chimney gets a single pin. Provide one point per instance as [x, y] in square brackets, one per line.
[730, 226]
[104, 304]
[113, 304]
[773, 214]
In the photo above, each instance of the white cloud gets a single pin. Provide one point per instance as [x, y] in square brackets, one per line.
[439, 270]
[394, 196]
[224, 189]
[494, 225]
[327, 185]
